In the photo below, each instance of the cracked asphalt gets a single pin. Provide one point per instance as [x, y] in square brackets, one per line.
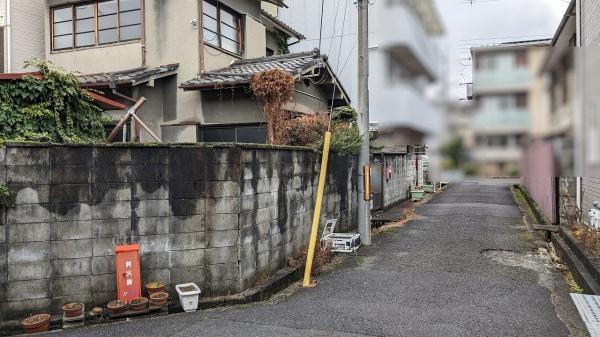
[464, 267]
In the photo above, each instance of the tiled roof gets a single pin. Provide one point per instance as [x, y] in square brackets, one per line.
[127, 77]
[282, 25]
[239, 72]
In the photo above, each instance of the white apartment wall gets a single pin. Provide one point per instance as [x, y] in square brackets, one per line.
[590, 23]
[338, 44]
[404, 102]
[26, 32]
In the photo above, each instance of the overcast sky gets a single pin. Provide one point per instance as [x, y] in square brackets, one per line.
[490, 22]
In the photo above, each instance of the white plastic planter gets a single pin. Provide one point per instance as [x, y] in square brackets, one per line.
[188, 298]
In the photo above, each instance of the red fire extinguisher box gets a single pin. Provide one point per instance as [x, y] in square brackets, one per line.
[127, 262]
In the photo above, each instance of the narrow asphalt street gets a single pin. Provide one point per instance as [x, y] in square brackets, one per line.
[464, 267]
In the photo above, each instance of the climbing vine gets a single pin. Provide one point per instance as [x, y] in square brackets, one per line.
[4, 196]
[282, 45]
[52, 108]
[273, 89]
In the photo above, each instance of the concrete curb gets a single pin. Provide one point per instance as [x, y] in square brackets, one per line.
[584, 267]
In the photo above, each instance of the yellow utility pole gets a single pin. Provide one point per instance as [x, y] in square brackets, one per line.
[317, 213]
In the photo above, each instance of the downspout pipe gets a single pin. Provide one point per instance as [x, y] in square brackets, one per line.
[201, 37]
[144, 49]
[578, 23]
[8, 38]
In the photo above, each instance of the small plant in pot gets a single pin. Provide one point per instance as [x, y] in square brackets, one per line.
[138, 304]
[73, 309]
[155, 287]
[117, 306]
[159, 299]
[36, 323]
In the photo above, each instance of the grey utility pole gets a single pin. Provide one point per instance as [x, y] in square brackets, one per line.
[364, 209]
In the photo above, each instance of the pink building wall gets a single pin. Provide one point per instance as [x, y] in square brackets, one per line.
[538, 176]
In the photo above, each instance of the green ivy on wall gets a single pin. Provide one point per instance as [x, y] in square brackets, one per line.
[51, 109]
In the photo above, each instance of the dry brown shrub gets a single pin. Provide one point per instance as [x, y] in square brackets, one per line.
[306, 130]
[322, 257]
[588, 237]
[273, 89]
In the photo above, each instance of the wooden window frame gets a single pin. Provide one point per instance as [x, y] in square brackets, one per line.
[220, 6]
[96, 25]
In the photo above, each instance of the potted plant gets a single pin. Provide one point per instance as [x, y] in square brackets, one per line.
[117, 306]
[36, 323]
[188, 296]
[155, 287]
[138, 304]
[417, 193]
[73, 309]
[159, 299]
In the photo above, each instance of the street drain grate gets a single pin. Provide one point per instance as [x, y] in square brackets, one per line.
[589, 309]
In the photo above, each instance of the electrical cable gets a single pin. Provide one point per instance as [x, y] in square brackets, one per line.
[321, 26]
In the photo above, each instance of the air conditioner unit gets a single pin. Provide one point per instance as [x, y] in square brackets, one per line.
[339, 242]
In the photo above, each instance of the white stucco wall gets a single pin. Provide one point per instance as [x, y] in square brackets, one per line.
[26, 33]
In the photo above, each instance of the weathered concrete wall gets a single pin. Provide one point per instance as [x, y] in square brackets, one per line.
[397, 188]
[539, 170]
[221, 217]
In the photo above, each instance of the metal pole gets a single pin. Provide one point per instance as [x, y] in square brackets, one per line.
[364, 211]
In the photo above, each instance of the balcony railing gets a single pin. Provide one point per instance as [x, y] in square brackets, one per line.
[502, 120]
[397, 27]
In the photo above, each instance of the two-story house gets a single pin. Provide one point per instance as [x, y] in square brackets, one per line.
[191, 59]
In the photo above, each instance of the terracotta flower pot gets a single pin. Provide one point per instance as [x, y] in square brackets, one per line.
[138, 304]
[73, 309]
[36, 323]
[159, 299]
[117, 306]
[155, 287]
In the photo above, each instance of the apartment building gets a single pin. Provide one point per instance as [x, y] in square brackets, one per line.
[404, 60]
[192, 61]
[21, 33]
[505, 92]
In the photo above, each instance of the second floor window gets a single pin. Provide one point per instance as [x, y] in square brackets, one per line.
[96, 23]
[222, 27]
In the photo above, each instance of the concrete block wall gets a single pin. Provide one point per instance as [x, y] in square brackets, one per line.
[403, 178]
[222, 217]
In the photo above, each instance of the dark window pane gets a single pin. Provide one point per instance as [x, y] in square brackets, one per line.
[229, 33]
[131, 32]
[85, 39]
[84, 11]
[108, 36]
[63, 14]
[251, 134]
[228, 18]
[230, 45]
[210, 37]
[85, 25]
[130, 18]
[63, 28]
[210, 23]
[209, 9]
[216, 135]
[127, 5]
[62, 42]
[109, 21]
[107, 7]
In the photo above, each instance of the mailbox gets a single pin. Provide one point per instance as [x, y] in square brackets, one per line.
[127, 262]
